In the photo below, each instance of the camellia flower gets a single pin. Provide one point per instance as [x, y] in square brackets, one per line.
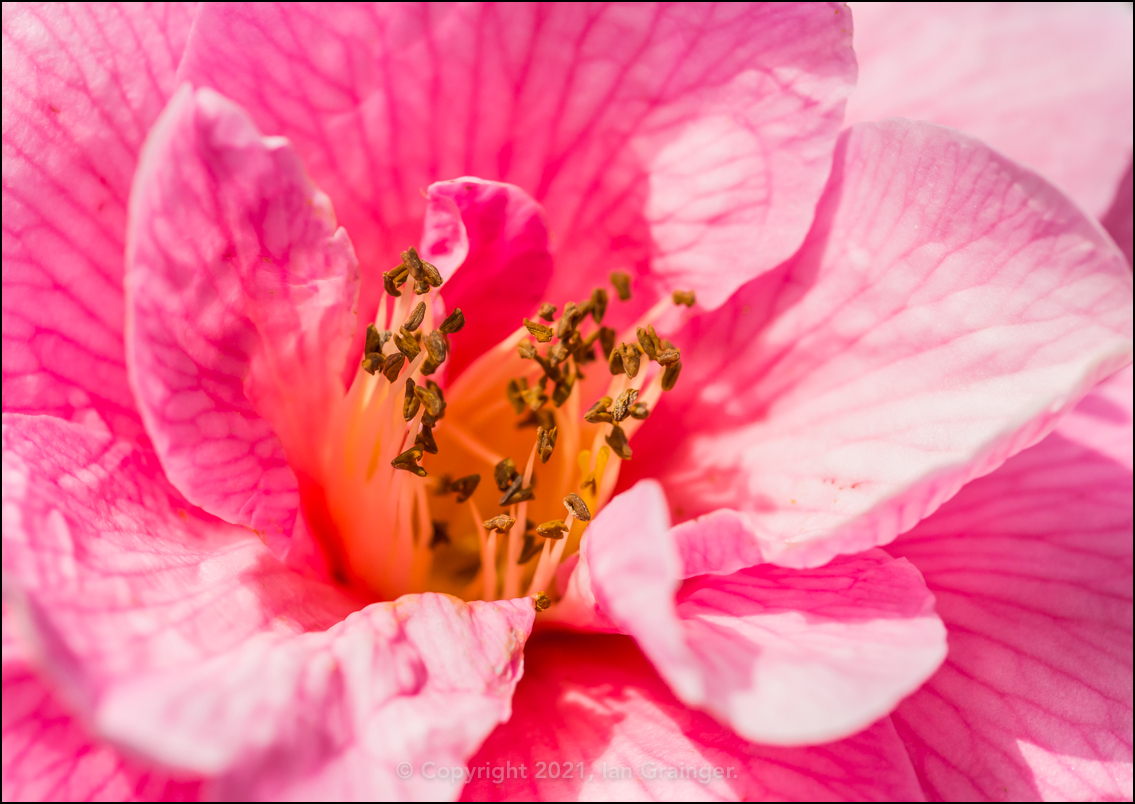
[622, 374]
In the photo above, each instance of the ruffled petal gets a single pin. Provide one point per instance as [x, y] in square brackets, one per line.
[637, 127]
[1032, 570]
[945, 310]
[241, 292]
[787, 657]
[82, 85]
[1048, 85]
[182, 639]
[593, 721]
[1118, 220]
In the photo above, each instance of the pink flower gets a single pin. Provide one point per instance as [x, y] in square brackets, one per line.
[223, 574]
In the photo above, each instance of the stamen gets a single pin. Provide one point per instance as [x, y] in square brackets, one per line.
[435, 405]
[411, 403]
[504, 473]
[465, 486]
[648, 341]
[562, 390]
[531, 548]
[515, 392]
[417, 315]
[391, 284]
[392, 365]
[577, 507]
[617, 440]
[527, 349]
[425, 440]
[546, 442]
[598, 304]
[547, 311]
[501, 523]
[568, 321]
[598, 412]
[431, 417]
[436, 348]
[631, 357]
[420, 269]
[440, 534]
[639, 411]
[557, 353]
[592, 480]
[516, 493]
[535, 397]
[668, 357]
[408, 461]
[622, 283]
[376, 339]
[454, 322]
[407, 344]
[670, 375]
[686, 297]
[541, 602]
[623, 404]
[374, 362]
[541, 333]
[539, 418]
[552, 529]
[615, 362]
[607, 341]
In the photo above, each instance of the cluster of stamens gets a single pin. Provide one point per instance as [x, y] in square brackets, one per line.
[557, 371]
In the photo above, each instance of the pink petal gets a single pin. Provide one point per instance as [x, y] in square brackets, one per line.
[182, 639]
[595, 700]
[600, 113]
[49, 756]
[1032, 569]
[81, 87]
[1046, 84]
[942, 313]
[787, 657]
[496, 235]
[1118, 219]
[241, 294]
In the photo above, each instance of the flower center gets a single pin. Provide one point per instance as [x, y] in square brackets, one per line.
[483, 489]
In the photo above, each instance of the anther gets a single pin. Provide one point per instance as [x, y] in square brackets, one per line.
[501, 523]
[389, 286]
[425, 440]
[547, 311]
[407, 344]
[515, 393]
[465, 486]
[615, 362]
[392, 365]
[598, 304]
[623, 404]
[453, 322]
[527, 349]
[686, 297]
[670, 375]
[515, 493]
[420, 269]
[546, 442]
[562, 390]
[607, 341]
[504, 473]
[421, 287]
[557, 353]
[435, 405]
[411, 403]
[530, 550]
[575, 505]
[541, 333]
[408, 461]
[373, 362]
[649, 341]
[435, 345]
[668, 357]
[417, 315]
[631, 358]
[551, 370]
[539, 418]
[552, 529]
[622, 283]
[376, 339]
[598, 412]
[430, 417]
[639, 411]
[535, 397]
[617, 441]
[541, 602]
[567, 323]
[440, 534]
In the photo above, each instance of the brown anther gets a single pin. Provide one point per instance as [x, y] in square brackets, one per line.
[528, 552]
[541, 602]
[546, 442]
[465, 486]
[541, 333]
[527, 349]
[389, 286]
[429, 418]
[639, 411]
[617, 441]
[535, 397]
[551, 370]
[440, 534]
[421, 287]
[552, 529]
[686, 297]
[623, 404]
[453, 322]
[435, 405]
[607, 341]
[420, 269]
[557, 353]
[615, 362]
[376, 339]
[547, 311]
[504, 473]
[425, 440]
[622, 283]
[598, 304]
[435, 345]
[562, 390]
[408, 461]
[568, 320]
[373, 362]
[670, 375]
[515, 392]
[407, 344]
[411, 403]
[632, 356]
[501, 523]
[417, 315]
[539, 418]
[574, 503]
[598, 412]
[668, 357]
[649, 341]
[428, 367]
[515, 493]
[392, 365]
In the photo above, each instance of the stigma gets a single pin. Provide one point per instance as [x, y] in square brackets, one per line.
[483, 486]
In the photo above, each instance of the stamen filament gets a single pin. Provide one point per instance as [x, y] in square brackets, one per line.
[516, 535]
[472, 444]
[488, 555]
[550, 560]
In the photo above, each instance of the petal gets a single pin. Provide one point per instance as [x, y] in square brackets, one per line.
[597, 112]
[48, 754]
[787, 657]
[1118, 220]
[594, 701]
[1032, 570]
[241, 294]
[1048, 85]
[137, 606]
[944, 311]
[81, 87]
[490, 242]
